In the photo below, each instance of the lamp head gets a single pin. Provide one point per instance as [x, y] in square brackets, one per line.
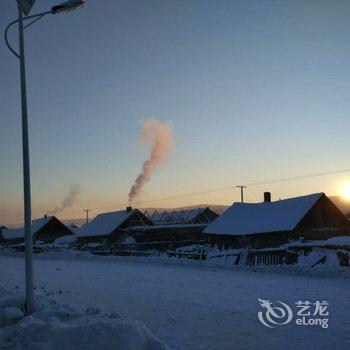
[67, 6]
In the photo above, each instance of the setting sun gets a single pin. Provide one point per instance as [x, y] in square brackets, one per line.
[345, 192]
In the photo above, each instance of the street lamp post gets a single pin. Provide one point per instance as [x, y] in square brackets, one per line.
[26, 173]
[25, 6]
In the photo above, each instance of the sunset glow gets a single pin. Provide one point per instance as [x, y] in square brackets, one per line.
[345, 192]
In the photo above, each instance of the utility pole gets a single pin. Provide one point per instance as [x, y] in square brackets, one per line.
[241, 187]
[87, 215]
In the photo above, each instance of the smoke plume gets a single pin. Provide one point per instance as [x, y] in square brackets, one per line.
[68, 201]
[161, 137]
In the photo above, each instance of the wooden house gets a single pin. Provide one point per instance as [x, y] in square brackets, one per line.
[165, 237]
[271, 224]
[108, 227]
[46, 229]
[171, 229]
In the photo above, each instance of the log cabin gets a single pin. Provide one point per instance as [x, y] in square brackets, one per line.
[271, 224]
[108, 227]
[45, 229]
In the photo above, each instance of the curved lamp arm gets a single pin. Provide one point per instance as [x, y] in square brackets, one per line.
[7, 42]
[35, 17]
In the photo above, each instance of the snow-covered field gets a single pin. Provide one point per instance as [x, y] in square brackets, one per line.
[193, 305]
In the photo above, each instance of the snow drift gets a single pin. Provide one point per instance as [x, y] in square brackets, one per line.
[56, 327]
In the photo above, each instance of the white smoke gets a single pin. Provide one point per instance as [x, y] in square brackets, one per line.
[68, 201]
[161, 137]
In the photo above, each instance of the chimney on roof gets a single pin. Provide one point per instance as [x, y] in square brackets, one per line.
[128, 209]
[267, 197]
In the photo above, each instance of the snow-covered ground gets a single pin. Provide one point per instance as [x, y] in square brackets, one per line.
[54, 327]
[193, 305]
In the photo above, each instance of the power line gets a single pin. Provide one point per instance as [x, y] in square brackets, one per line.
[253, 193]
[298, 177]
[221, 189]
[94, 209]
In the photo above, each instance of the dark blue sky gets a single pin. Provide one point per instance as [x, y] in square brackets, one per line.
[254, 89]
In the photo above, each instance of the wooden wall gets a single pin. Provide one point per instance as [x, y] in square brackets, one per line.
[51, 231]
[323, 214]
[164, 238]
[262, 240]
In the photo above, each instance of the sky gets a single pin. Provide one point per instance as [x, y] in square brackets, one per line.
[254, 91]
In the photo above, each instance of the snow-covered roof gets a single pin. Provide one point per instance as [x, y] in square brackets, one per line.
[176, 216]
[37, 224]
[104, 224]
[250, 218]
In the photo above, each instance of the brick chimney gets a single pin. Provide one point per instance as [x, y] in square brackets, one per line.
[267, 197]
